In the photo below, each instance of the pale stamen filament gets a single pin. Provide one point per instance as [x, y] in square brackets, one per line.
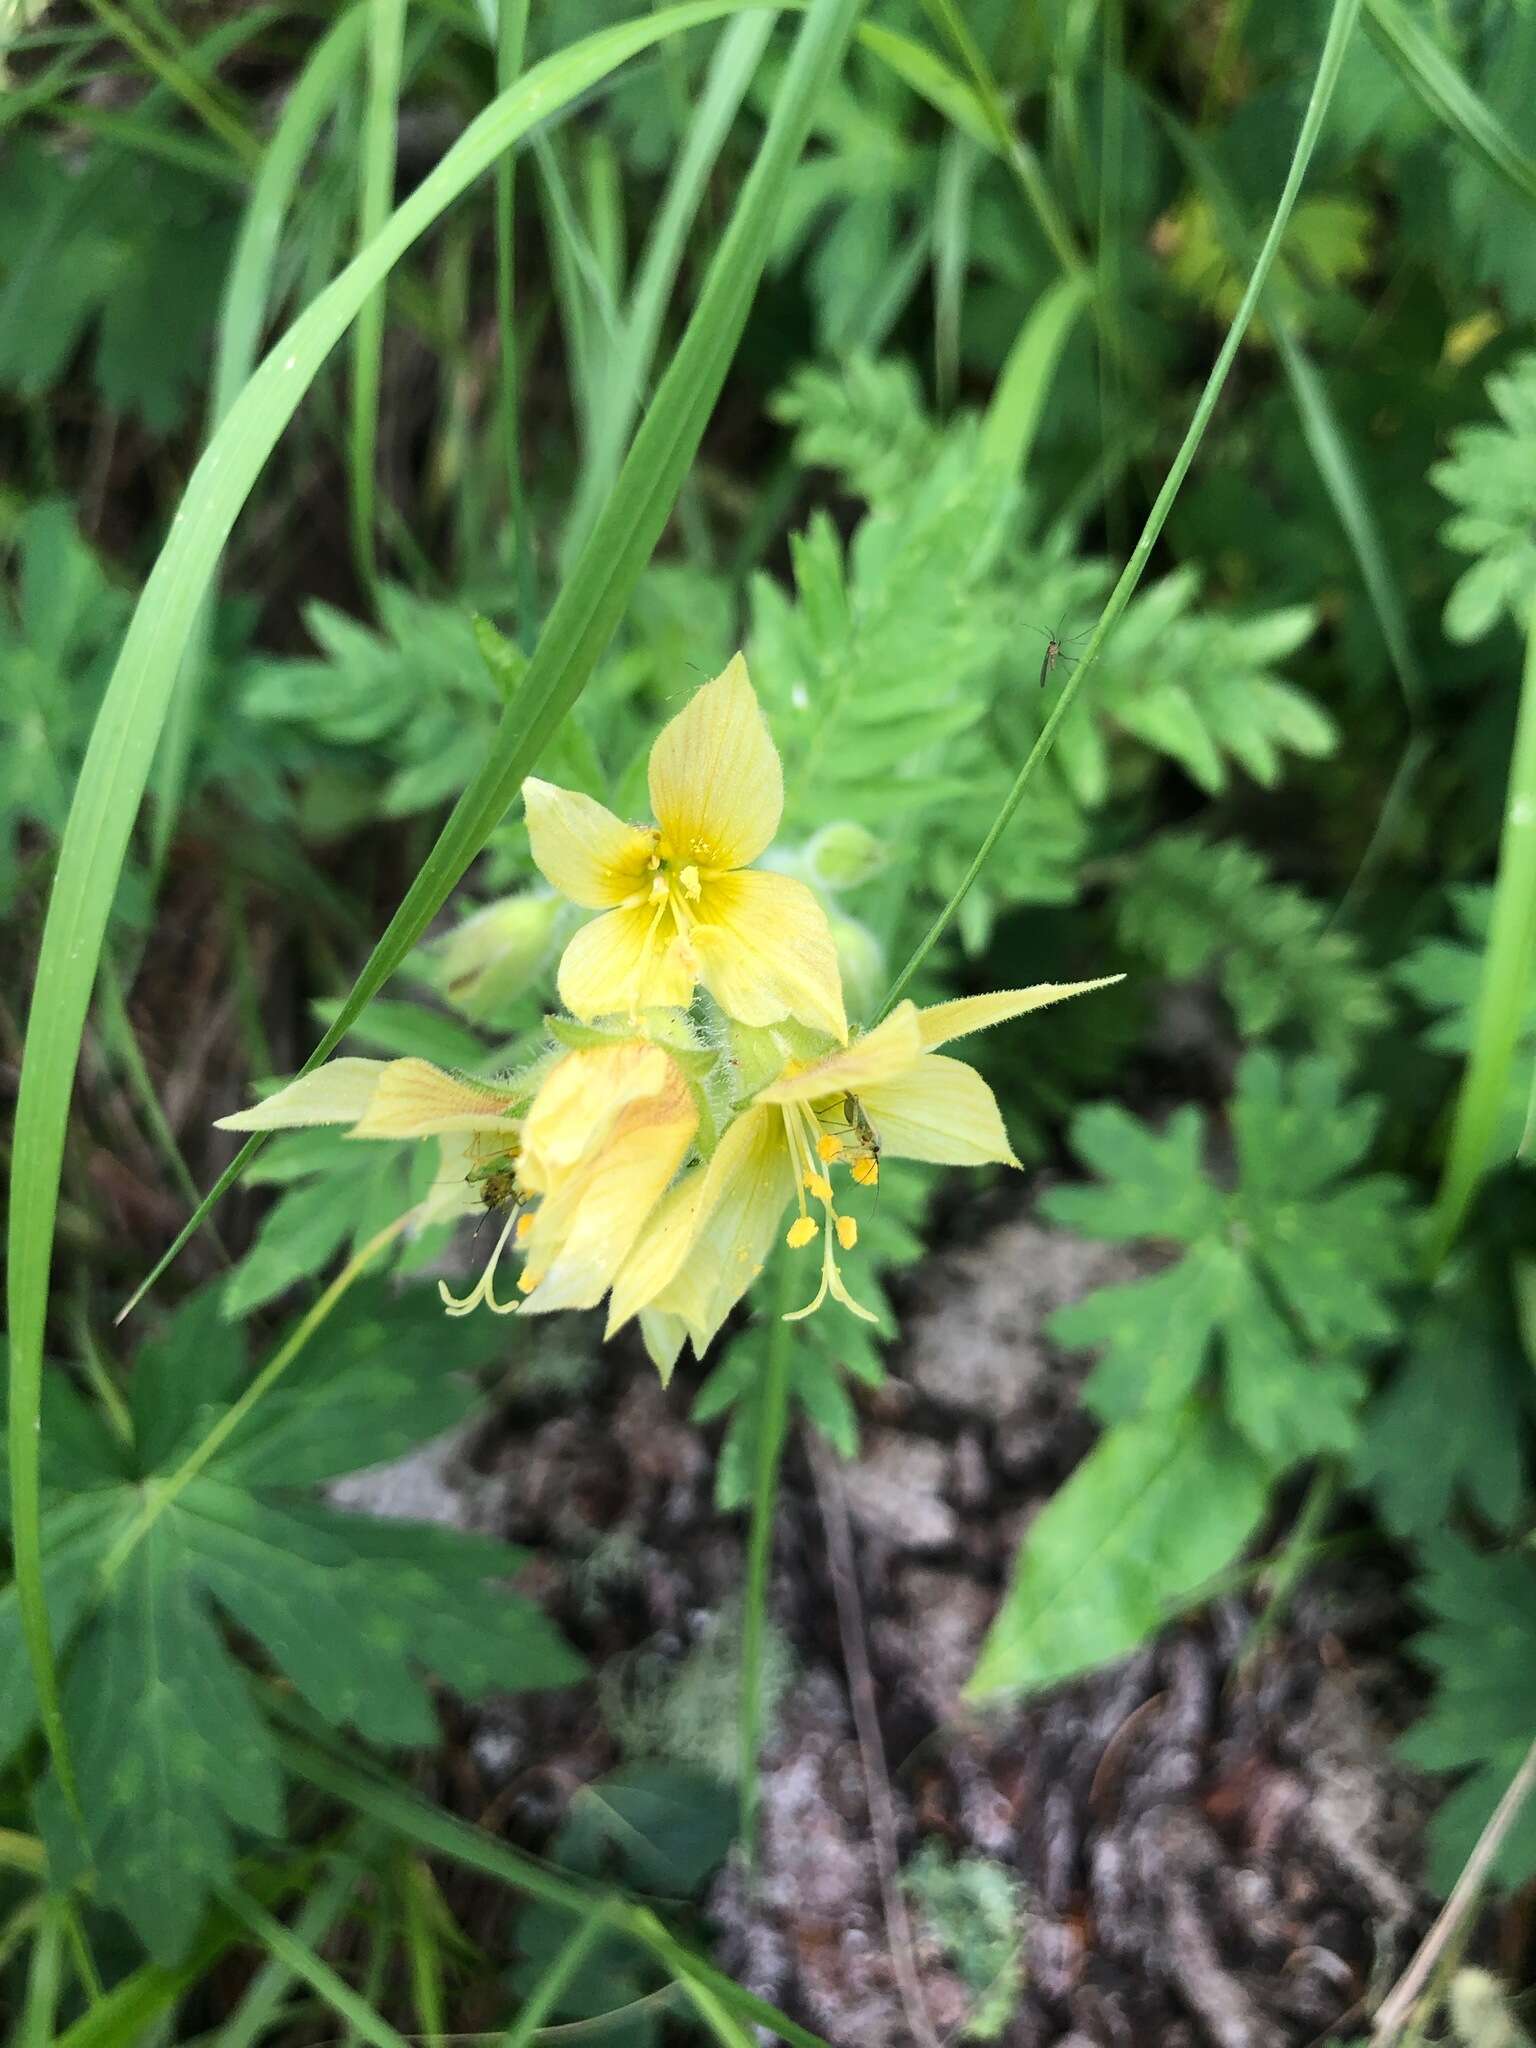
[484, 1289]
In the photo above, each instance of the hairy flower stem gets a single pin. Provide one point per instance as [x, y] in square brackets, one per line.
[1502, 996]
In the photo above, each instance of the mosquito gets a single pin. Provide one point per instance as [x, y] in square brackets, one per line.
[1054, 644]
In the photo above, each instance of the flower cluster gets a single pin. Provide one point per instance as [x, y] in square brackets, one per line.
[652, 1151]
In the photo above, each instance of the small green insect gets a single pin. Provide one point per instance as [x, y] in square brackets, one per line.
[865, 1164]
[495, 1179]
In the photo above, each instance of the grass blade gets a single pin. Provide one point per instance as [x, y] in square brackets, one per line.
[259, 2007]
[295, 1955]
[242, 315]
[511, 39]
[1341, 22]
[443, 1834]
[567, 1960]
[1508, 966]
[725, 86]
[386, 43]
[1008, 432]
[128, 726]
[1432, 75]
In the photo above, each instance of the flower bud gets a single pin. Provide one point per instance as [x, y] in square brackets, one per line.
[843, 855]
[495, 956]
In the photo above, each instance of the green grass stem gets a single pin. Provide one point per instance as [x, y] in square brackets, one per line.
[376, 167]
[1509, 966]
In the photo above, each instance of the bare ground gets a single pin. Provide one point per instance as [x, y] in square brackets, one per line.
[1204, 1854]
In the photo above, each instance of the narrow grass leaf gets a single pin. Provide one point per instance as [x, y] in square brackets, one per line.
[242, 315]
[725, 85]
[297, 1956]
[376, 166]
[1508, 968]
[1013, 417]
[1438, 83]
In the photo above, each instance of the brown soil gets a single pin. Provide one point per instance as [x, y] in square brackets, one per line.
[1204, 1856]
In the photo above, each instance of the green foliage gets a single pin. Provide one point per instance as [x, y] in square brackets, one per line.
[1196, 907]
[335, 1194]
[1491, 478]
[973, 1908]
[125, 250]
[56, 646]
[417, 690]
[1444, 976]
[654, 1827]
[1426, 1451]
[1483, 1609]
[1197, 687]
[1284, 1276]
[175, 1763]
[1158, 1507]
[865, 421]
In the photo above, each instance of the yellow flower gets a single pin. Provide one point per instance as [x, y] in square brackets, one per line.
[478, 1124]
[607, 1130]
[683, 904]
[890, 1094]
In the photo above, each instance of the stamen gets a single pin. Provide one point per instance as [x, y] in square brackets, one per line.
[828, 1148]
[847, 1232]
[819, 1186]
[484, 1289]
[800, 1233]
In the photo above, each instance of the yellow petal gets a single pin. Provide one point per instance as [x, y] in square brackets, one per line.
[737, 1237]
[879, 1055]
[943, 1021]
[765, 952]
[940, 1110]
[337, 1093]
[580, 1099]
[610, 1127]
[617, 966]
[716, 785]
[602, 1217]
[414, 1099]
[707, 1241]
[583, 850]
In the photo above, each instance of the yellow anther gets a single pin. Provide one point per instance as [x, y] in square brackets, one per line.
[847, 1232]
[524, 1225]
[866, 1171]
[526, 1283]
[829, 1148]
[689, 878]
[800, 1233]
[819, 1186]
